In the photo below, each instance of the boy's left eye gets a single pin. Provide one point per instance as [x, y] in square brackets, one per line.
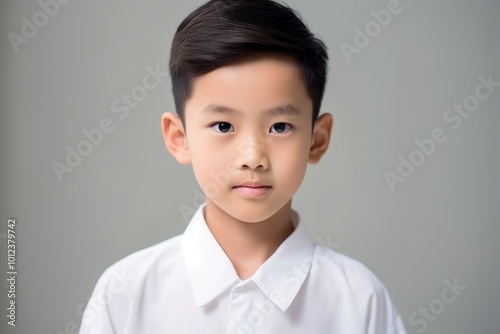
[280, 127]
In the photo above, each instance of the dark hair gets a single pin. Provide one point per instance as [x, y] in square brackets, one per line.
[222, 31]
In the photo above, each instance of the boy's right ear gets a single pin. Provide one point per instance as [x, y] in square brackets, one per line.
[174, 136]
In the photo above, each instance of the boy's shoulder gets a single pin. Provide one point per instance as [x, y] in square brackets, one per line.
[151, 254]
[356, 285]
[167, 256]
[336, 267]
[153, 259]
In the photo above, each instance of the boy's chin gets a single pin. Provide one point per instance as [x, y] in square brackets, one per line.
[248, 211]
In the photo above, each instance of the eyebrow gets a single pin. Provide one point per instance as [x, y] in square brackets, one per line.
[283, 110]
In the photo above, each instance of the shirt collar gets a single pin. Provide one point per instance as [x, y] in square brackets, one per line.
[211, 272]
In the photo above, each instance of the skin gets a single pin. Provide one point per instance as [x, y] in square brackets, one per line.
[245, 141]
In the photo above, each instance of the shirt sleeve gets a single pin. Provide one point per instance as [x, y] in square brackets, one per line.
[108, 309]
[383, 317]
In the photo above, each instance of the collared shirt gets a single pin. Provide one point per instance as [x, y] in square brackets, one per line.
[187, 284]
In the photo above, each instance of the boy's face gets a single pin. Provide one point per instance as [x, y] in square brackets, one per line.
[248, 135]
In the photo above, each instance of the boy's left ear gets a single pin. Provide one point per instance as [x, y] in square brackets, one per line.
[320, 137]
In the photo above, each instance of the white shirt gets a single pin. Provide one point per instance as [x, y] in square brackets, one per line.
[187, 284]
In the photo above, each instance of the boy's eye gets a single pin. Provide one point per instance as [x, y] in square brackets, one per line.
[223, 127]
[280, 127]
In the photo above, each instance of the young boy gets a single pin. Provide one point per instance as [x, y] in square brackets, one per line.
[248, 79]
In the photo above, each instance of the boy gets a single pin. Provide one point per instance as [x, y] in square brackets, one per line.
[248, 79]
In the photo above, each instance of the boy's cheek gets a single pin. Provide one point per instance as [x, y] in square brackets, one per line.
[214, 178]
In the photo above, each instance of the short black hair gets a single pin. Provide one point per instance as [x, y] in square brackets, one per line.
[222, 31]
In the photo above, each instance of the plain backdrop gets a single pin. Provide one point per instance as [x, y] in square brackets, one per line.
[440, 224]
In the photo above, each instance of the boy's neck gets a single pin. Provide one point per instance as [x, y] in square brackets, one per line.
[248, 245]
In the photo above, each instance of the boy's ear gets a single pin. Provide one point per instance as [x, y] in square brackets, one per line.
[320, 137]
[174, 136]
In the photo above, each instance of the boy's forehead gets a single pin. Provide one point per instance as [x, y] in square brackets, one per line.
[287, 110]
[271, 82]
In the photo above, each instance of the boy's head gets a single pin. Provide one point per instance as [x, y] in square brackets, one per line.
[223, 31]
[248, 79]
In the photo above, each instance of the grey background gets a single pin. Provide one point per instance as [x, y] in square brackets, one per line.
[442, 223]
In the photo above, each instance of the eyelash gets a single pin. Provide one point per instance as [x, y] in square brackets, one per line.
[290, 127]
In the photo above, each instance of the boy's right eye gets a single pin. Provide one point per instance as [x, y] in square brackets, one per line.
[223, 127]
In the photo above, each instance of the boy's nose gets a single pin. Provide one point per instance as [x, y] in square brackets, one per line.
[252, 154]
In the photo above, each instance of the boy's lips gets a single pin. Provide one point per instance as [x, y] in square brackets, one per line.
[252, 188]
[252, 184]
